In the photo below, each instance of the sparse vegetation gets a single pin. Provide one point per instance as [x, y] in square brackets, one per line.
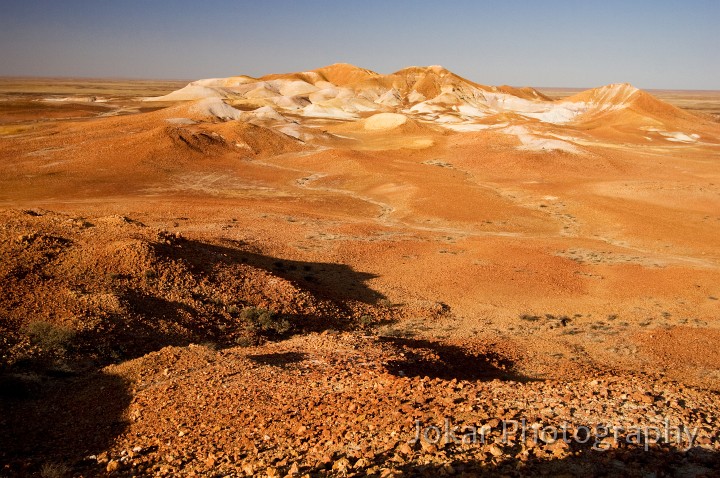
[398, 333]
[54, 470]
[551, 319]
[209, 345]
[529, 318]
[385, 303]
[265, 321]
[570, 332]
[50, 337]
[244, 341]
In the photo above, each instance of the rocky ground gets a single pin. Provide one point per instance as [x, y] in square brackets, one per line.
[143, 359]
[350, 404]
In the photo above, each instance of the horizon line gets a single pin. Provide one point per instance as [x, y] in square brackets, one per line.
[134, 78]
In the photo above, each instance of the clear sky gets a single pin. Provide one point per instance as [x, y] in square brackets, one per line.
[652, 44]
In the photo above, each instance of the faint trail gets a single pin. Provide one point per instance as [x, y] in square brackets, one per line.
[306, 181]
[667, 257]
[386, 210]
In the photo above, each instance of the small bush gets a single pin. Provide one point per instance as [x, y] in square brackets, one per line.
[217, 301]
[266, 320]
[570, 332]
[54, 470]
[50, 337]
[399, 333]
[244, 341]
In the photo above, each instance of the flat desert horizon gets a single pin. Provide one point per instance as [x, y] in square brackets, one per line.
[337, 272]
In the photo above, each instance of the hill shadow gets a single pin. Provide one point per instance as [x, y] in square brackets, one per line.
[327, 280]
[154, 319]
[56, 420]
[427, 358]
[627, 462]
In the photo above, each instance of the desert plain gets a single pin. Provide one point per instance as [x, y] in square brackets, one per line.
[290, 275]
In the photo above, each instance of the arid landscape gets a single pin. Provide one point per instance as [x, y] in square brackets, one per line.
[290, 275]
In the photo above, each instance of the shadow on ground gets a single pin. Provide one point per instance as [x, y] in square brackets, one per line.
[54, 420]
[325, 279]
[625, 461]
[425, 358]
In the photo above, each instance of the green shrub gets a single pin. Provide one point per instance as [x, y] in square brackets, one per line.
[244, 341]
[384, 303]
[54, 470]
[265, 320]
[50, 337]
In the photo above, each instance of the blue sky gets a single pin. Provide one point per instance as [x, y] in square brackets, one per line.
[652, 44]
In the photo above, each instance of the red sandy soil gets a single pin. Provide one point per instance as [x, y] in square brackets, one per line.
[401, 274]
